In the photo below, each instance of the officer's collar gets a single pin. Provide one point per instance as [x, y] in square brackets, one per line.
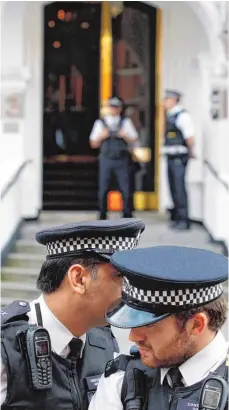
[60, 336]
[177, 108]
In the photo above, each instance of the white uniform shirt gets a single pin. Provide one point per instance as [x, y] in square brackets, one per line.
[112, 122]
[193, 370]
[60, 336]
[185, 124]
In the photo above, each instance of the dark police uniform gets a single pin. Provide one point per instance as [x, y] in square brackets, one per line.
[159, 282]
[178, 128]
[75, 373]
[114, 159]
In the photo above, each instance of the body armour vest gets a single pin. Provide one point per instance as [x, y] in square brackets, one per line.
[153, 395]
[73, 381]
[114, 147]
[173, 136]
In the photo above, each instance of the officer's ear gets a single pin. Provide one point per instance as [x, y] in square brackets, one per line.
[77, 277]
[199, 323]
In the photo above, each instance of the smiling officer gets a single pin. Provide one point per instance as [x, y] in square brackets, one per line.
[172, 299]
[55, 348]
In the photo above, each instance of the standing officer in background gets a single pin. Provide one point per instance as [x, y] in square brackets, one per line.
[113, 134]
[178, 147]
[172, 299]
[58, 366]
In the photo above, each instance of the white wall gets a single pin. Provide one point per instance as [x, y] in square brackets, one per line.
[216, 195]
[22, 67]
[33, 127]
[11, 208]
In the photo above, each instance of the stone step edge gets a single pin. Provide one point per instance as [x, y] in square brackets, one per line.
[8, 270]
[15, 286]
[27, 256]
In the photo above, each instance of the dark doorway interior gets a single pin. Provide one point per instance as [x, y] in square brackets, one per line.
[71, 73]
[71, 104]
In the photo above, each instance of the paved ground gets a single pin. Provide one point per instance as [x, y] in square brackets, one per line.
[156, 233]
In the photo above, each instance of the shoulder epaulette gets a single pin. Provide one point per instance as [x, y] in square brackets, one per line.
[119, 363]
[14, 311]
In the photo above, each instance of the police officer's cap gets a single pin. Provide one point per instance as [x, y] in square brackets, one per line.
[163, 280]
[173, 94]
[115, 102]
[100, 237]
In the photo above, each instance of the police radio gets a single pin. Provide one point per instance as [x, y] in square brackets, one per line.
[39, 358]
[214, 394]
[35, 345]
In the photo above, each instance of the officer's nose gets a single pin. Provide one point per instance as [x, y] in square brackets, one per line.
[137, 335]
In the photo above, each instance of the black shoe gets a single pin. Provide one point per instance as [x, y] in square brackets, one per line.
[172, 214]
[129, 215]
[182, 226]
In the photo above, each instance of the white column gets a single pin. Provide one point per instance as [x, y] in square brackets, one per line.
[33, 129]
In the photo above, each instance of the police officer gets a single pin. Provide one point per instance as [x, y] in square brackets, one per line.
[113, 134]
[77, 283]
[178, 147]
[172, 301]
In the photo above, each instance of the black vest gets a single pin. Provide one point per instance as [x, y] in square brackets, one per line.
[114, 147]
[74, 382]
[143, 390]
[173, 136]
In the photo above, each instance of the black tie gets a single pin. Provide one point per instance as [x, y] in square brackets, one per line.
[176, 377]
[75, 348]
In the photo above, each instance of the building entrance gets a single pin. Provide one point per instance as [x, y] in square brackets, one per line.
[88, 53]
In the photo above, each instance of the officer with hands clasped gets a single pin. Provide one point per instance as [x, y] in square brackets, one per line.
[114, 134]
[55, 349]
[172, 299]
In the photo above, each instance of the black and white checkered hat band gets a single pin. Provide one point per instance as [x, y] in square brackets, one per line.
[172, 297]
[106, 244]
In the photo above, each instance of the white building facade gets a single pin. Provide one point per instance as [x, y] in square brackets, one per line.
[195, 60]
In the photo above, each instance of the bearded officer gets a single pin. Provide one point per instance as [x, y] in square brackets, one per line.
[78, 283]
[172, 301]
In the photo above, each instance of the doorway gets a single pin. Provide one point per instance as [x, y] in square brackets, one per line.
[71, 73]
[71, 104]
[72, 32]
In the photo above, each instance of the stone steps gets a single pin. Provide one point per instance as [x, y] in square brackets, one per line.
[27, 260]
[17, 290]
[24, 274]
[29, 246]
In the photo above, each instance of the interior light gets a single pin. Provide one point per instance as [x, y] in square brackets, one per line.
[51, 23]
[85, 25]
[56, 44]
[61, 14]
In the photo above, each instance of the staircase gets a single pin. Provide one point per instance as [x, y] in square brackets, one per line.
[71, 185]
